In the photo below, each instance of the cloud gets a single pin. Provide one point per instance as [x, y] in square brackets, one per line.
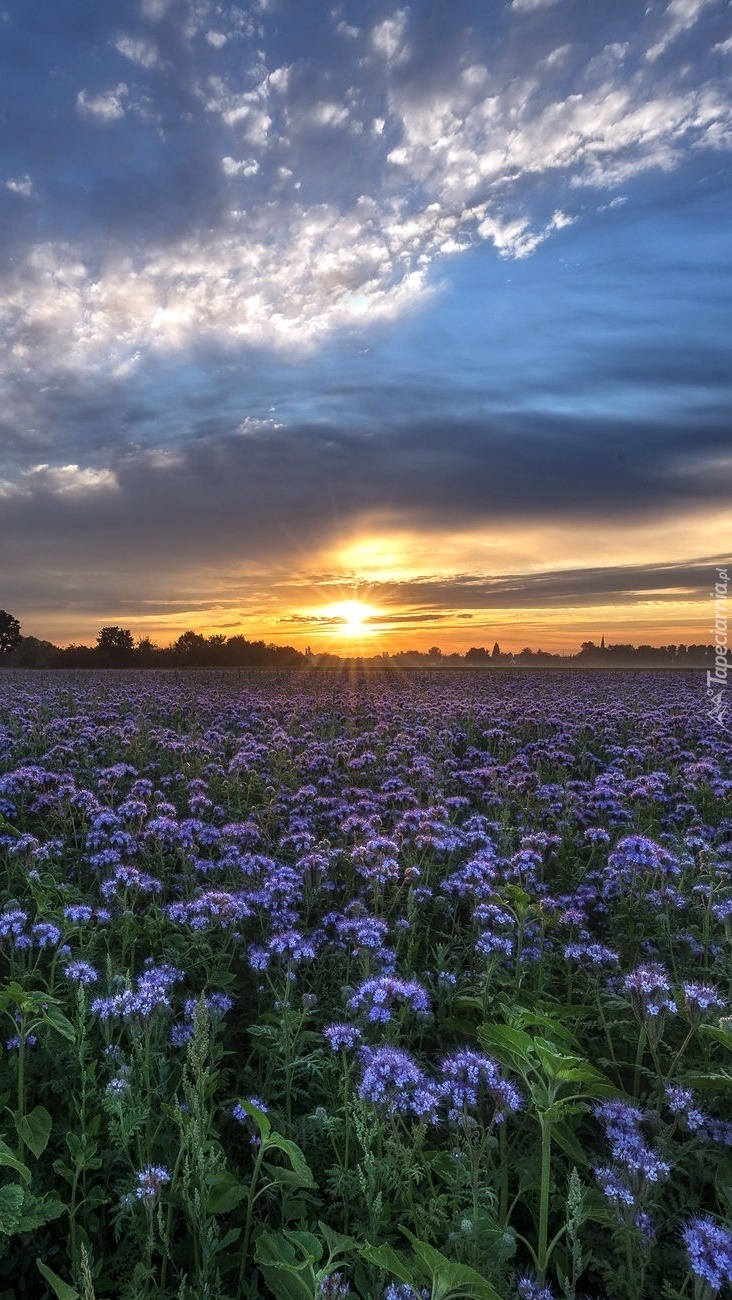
[388, 37]
[629, 584]
[679, 17]
[528, 6]
[277, 202]
[22, 185]
[107, 106]
[240, 167]
[139, 50]
[59, 480]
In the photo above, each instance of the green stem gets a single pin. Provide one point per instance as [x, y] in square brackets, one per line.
[546, 1154]
[347, 1129]
[250, 1212]
[680, 1053]
[639, 1062]
[503, 1187]
[21, 1085]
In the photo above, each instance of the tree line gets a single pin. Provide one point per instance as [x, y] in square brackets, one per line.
[116, 647]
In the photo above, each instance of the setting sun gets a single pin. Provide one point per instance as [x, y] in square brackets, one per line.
[353, 617]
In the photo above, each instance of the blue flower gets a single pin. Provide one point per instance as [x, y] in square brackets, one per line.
[709, 1249]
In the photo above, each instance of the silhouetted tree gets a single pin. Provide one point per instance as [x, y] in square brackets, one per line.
[33, 653]
[190, 648]
[115, 639]
[115, 647]
[9, 632]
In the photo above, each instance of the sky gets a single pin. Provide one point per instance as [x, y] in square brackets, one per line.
[365, 326]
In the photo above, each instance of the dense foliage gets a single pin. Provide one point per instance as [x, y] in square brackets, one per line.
[381, 986]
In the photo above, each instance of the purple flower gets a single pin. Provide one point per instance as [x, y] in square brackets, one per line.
[488, 944]
[341, 1035]
[12, 923]
[469, 1076]
[528, 1288]
[709, 1249]
[81, 972]
[700, 997]
[634, 1159]
[393, 1081]
[117, 1087]
[680, 1102]
[650, 992]
[79, 913]
[45, 935]
[376, 998]
[333, 1287]
[613, 1186]
[150, 1182]
[590, 954]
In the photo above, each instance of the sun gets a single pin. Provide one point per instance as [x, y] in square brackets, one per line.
[353, 617]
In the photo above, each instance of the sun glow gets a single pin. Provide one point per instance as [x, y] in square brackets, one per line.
[353, 617]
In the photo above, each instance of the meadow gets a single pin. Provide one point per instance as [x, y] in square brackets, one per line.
[390, 985]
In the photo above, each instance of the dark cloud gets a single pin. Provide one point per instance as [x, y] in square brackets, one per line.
[611, 585]
[275, 494]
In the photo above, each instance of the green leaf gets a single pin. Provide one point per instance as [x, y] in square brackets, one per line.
[565, 1138]
[719, 1081]
[307, 1243]
[450, 1280]
[285, 1177]
[35, 1129]
[225, 1193]
[59, 1287]
[295, 1156]
[259, 1117]
[57, 1020]
[36, 1212]
[723, 1036]
[511, 1046]
[287, 1264]
[9, 1160]
[336, 1242]
[11, 1207]
[387, 1259]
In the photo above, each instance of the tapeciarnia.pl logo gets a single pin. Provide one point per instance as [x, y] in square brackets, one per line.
[717, 680]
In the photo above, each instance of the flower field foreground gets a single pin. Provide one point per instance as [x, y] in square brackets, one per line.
[388, 985]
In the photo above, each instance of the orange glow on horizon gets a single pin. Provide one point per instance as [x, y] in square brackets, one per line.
[385, 587]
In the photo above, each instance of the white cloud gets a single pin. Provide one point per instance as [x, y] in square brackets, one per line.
[138, 50]
[66, 480]
[388, 37]
[107, 106]
[246, 111]
[279, 80]
[217, 39]
[679, 17]
[526, 6]
[457, 157]
[325, 114]
[22, 185]
[244, 167]
[155, 9]
[516, 238]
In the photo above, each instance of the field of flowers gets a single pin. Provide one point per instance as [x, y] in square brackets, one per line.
[380, 986]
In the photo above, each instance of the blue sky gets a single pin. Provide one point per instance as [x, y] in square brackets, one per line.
[423, 305]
